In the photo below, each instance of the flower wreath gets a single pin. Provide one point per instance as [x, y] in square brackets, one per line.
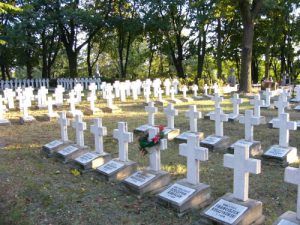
[145, 143]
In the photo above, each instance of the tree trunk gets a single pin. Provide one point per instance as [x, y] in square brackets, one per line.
[201, 51]
[267, 62]
[29, 70]
[219, 50]
[72, 60]
[88, 60]
[254, 70]
[3, 72]
[7, 72]
[282, 55]
[246, 58]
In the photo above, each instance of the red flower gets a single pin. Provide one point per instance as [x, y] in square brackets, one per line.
[161, 128]
[156, 139]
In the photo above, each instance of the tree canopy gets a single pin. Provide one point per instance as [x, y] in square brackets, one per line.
[195, 41]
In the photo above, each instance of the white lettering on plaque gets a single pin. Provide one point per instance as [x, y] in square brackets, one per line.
[177, 193]
[139, 178]
[277, 152]
[226, 211]
[54, 144]
[68, 150]
[286, 222]
[110, 167]
[87, 157]
[211, 140]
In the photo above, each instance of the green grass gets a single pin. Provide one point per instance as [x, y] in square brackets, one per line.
[38, 190]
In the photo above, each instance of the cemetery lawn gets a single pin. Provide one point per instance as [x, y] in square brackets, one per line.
[38, 190]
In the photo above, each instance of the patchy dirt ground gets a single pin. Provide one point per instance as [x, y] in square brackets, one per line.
[38, 190]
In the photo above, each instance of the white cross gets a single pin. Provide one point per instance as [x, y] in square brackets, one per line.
[219, 117]
[297, 90]
[92, 98]
[171, 113]
[124, 137]
[109, 98]
[172, 92]
[80, 127]
[64, 123]
[292, 175]
[249, 120]
[206, 89]
[93, 88]
[151, 113]
[99, 131]
[281, 104]
[2, 107]
[217, 99]
[195, 89]
[71, 101]
[257, 103]
[236, 101]
[184, 89]
[167, 85]
[50, 108]
[268, 95]
[24, 106]
[193, 116]
[155, 150]
[194, 154]
[242, 165]
[284, 124]
[160, 92]
[216, 88]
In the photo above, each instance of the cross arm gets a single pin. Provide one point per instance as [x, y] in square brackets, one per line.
[201, 154]
[229, 161]
[254, 166]
[183, 149]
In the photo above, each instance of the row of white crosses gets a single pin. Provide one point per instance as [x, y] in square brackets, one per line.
[14, 84]
[70, 83]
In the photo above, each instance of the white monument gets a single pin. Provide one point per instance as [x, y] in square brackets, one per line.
[3, 120]
[283, 153]
[236, 101]
[94, 159]
[121, 167]
[193, 115]
[237, 208]
[218, 140]
[258, 103]
[153, 177]
[170, 131]
[188, 193]
[151, 110]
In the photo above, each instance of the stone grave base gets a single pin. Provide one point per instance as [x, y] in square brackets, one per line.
[297, 108]
[295, 100]
[183, 196]
[91, 160]
[51, 117]
[27, 119]
[145, 181]
[229, 210]
[214, 142]
[298, 125]
[111, 109]
[89, 112]
[196, 98]
[4, 122]
[117, 170]
[175, 101]
[187, 99]
[52, 147]
[182, 138]
[73, 114]
[56, 105]
[280, 155]
[161, 103]
[71, 152]
[233, 117]
[170, 134]
[142, 129]
[288, 218]
[254, 147]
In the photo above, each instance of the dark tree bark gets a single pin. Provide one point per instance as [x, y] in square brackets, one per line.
[201, 52]
[248, 14]
[3, 72]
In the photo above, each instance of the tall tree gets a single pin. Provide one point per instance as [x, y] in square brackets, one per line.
[249, 10]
